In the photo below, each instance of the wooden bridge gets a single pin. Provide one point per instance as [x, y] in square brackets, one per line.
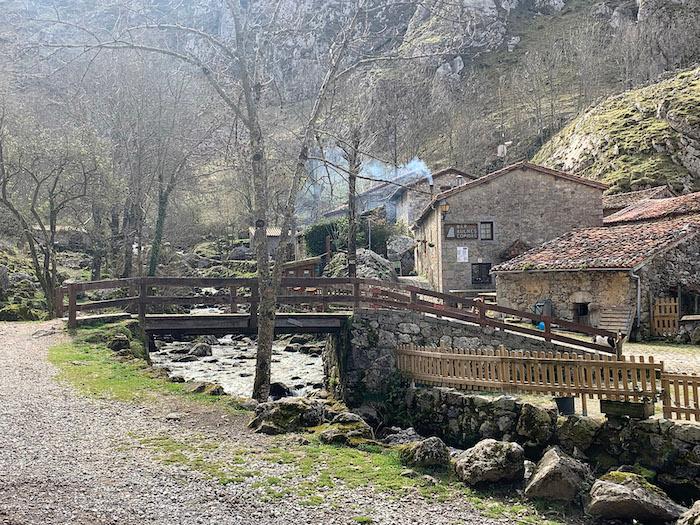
[304, 305]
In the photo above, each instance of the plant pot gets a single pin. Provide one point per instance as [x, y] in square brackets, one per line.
[565, 405]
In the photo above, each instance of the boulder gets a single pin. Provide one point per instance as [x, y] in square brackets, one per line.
[576, 434]
[119, 342]
[289, 414]
[559, 477]
[624, 495]
[346, 429]
[491, 460]
[200, 350]
[399, 436]
[428, 453]
[691, 516]
[241, 253]
[209, 339]
[279, 390]
[535, 426]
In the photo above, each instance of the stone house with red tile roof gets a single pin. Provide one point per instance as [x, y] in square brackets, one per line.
[466, 230]
[640, 273]
[620, 201]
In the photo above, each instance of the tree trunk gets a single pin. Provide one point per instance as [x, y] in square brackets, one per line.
[157, 241]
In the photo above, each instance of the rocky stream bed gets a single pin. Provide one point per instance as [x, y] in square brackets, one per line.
[230, 362]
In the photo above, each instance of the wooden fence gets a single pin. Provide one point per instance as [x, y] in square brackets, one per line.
[680, 396]
[146, 294]
[586, 376]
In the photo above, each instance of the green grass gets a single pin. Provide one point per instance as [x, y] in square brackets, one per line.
[88, 365]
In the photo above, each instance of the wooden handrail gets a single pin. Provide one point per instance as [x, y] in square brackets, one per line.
[354, 292]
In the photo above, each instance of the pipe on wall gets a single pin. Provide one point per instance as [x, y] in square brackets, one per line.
[638, 280]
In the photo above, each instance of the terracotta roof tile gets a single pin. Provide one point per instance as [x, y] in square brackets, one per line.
[624, 246]
[619, 201]
[654, 209]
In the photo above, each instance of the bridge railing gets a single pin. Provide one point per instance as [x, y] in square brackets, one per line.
[144, 294]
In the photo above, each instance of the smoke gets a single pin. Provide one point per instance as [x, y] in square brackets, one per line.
[413, 169]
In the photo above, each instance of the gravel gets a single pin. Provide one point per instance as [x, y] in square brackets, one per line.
[67, 459]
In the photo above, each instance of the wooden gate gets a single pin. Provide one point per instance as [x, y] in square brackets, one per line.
[665, 319]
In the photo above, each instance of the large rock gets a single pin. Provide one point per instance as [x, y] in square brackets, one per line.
[576, 434]
[200, 350]
[491, 460]
[559, 477]
[346, 429]
[624, 495]
[536, 427]
[289, 414]
[370, 265]
[119, 342]
[278, 390]
[691, 516]
[428, 453]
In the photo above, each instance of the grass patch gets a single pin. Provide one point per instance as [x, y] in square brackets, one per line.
[198, 454]
[88, 365]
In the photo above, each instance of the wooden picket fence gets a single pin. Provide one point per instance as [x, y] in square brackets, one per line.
[666, 318]
[587, 376]
[680, 400]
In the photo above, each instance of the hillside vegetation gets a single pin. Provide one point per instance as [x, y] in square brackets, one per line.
[641, 138]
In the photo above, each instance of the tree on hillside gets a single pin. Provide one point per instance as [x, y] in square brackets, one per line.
[43, 172]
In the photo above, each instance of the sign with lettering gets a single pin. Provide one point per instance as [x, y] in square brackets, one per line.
[462, 231]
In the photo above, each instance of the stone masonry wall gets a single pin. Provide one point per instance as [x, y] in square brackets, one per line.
[601, 289]
[360, 364]
[670, 449]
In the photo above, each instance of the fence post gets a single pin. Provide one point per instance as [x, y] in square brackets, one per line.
[547, 328]
[72, 306]
[356, 293]
[143, 293]
[666, 396]
[234, 299]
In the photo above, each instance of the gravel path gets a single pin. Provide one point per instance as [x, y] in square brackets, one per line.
[63, 460]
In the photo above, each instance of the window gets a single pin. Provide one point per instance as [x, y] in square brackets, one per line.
[486, 231]
[481, 273]
[462, 231]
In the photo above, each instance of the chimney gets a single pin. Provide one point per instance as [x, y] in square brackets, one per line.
[432, 187]
[460, 180]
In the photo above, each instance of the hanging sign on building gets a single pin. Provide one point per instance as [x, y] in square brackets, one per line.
[462, 254]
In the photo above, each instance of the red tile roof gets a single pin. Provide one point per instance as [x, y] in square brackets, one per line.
[619, 247]
[493, 175]
[619, 201]
[655, 209]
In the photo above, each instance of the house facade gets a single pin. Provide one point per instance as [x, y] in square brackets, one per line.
[638, 274]
[465, 231]
[411, 199]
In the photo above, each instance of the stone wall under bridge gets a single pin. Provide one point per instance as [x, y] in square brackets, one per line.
[360, 363]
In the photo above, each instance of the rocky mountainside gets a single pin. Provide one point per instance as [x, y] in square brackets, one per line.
[641, 138]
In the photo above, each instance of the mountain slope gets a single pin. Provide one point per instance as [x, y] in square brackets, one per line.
[641, 138]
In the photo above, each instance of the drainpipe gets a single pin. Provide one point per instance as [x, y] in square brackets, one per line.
[639, 295]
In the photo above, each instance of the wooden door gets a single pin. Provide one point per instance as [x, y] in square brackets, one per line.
[665, 319]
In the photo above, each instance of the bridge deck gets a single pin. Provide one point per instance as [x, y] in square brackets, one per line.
[222, 324]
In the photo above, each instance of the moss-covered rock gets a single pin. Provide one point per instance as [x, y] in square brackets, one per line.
[642, 138]
[428, 453]
[628, 496]
[575, 434]
[289, 414]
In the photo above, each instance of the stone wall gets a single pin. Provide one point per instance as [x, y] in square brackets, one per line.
[360, 363]
[600, 289]
[670, 449]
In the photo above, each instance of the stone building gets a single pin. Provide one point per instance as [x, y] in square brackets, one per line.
[410, 200]
[468, 229]
[639, 274]
[620, 201]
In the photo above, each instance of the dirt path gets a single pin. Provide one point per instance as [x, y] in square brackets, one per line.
[63, 460]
